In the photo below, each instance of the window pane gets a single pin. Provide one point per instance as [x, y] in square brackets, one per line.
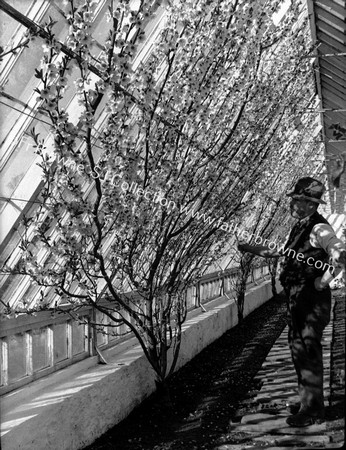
[9, 25]
[60, 342]
[101, 319]
[114, 333]
[39, 349]
[78, 338]
[22, 157]
[16, 357]
[118, 331]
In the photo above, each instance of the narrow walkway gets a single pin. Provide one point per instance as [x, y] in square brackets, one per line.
[265, 425]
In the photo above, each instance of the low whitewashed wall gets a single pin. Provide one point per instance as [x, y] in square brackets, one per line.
[71, 408]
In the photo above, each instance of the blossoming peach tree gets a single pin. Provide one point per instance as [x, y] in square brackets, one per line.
[187, 129]
[270, 218]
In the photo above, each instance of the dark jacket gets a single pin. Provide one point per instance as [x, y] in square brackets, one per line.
[295, 272]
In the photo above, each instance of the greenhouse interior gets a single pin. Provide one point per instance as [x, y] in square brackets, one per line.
[149, 150]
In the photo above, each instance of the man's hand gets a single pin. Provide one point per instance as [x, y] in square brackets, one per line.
[244, 247]
[321, 285]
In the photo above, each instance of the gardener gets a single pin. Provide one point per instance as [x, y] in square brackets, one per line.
[305, 281]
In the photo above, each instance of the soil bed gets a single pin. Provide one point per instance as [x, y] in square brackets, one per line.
[205, 393]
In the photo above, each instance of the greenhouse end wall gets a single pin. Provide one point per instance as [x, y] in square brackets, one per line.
[69, 409]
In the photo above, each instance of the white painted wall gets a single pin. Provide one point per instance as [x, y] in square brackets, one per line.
[69, 409]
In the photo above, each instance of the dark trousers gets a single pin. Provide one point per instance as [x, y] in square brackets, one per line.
[308, 315]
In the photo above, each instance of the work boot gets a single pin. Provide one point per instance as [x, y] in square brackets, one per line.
[302, 419]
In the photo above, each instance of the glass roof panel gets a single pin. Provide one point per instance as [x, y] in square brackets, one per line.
[9, 25]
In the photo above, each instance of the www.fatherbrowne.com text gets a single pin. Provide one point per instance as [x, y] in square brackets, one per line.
[157, 197]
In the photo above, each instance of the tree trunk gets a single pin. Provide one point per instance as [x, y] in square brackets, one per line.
[240, 305]
[273, 282]
[273, 264]
[163, 396]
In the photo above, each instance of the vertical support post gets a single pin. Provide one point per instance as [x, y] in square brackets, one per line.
[198, 294]
[28, 353]
[4, 361]
[222, 287]
[50, 339]
[93, 333]
[69, 338]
